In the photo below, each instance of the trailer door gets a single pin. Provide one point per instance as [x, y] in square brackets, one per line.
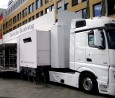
[95, 55]
[28, 49]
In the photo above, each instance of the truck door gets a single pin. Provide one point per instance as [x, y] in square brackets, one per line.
[96, 55]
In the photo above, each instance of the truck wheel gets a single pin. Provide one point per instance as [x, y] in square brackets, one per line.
[88, 83]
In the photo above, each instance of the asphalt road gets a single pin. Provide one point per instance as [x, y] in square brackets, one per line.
[17, 88]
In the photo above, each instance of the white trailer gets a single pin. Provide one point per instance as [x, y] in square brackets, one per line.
[81, 53]
[43, 23]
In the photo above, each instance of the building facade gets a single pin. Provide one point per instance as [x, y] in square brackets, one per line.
[20, 12]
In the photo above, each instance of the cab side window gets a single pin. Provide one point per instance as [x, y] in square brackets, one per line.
[91, 39]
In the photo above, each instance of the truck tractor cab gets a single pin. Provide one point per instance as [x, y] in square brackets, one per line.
[92, 51]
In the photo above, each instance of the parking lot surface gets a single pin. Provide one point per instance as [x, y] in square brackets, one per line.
[17, 88]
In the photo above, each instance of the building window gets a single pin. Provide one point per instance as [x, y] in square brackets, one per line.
[24, 22]
[74, 2]
[31, 18]
[47, 10]
[84, 15]
[8, 11]
[79, 1]
[17, 17]
[10, 22]
[6, 32]
[31, 8]
[21, 1]
[14, 27]
[4, 27]
[66, 6]
[19, 25]
[20, 16]
[39, 3]
[97, 9]
[10, 29]
[52, 7]
[14, 6]
[46, 1]
[7, 25]
[111, 7]
[17, 4]
[39, 14]
[79, 13]
[59, 5]
[24, 0]
[11, 9]
[24, 12]
[83, 0]
[14, 19]
[60, 8]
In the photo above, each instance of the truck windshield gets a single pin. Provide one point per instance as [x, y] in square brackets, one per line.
[111, 35]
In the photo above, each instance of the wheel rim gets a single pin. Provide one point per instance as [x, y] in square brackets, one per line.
[87, 84]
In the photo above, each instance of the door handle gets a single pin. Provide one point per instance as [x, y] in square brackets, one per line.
[89, 60]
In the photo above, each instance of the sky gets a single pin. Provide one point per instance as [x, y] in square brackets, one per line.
[4, 3]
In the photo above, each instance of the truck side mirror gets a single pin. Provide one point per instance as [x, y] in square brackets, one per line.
[99, 39]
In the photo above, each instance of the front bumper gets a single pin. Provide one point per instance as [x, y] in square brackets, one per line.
[105, 88]
[108, 87]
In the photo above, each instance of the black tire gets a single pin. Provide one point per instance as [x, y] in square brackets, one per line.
[88, 83]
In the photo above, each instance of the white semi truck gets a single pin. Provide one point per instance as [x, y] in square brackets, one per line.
[80, 52]
[91, 56]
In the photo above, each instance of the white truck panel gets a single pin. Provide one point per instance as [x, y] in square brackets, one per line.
[60, 37]
[44, 23]
[112, 57]
[70, 79]
[28, 50]
[43, 57]
[60, 46]
[43, 47]
[65, 17]
[80, 47]
[72, 52]
[35, 51]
